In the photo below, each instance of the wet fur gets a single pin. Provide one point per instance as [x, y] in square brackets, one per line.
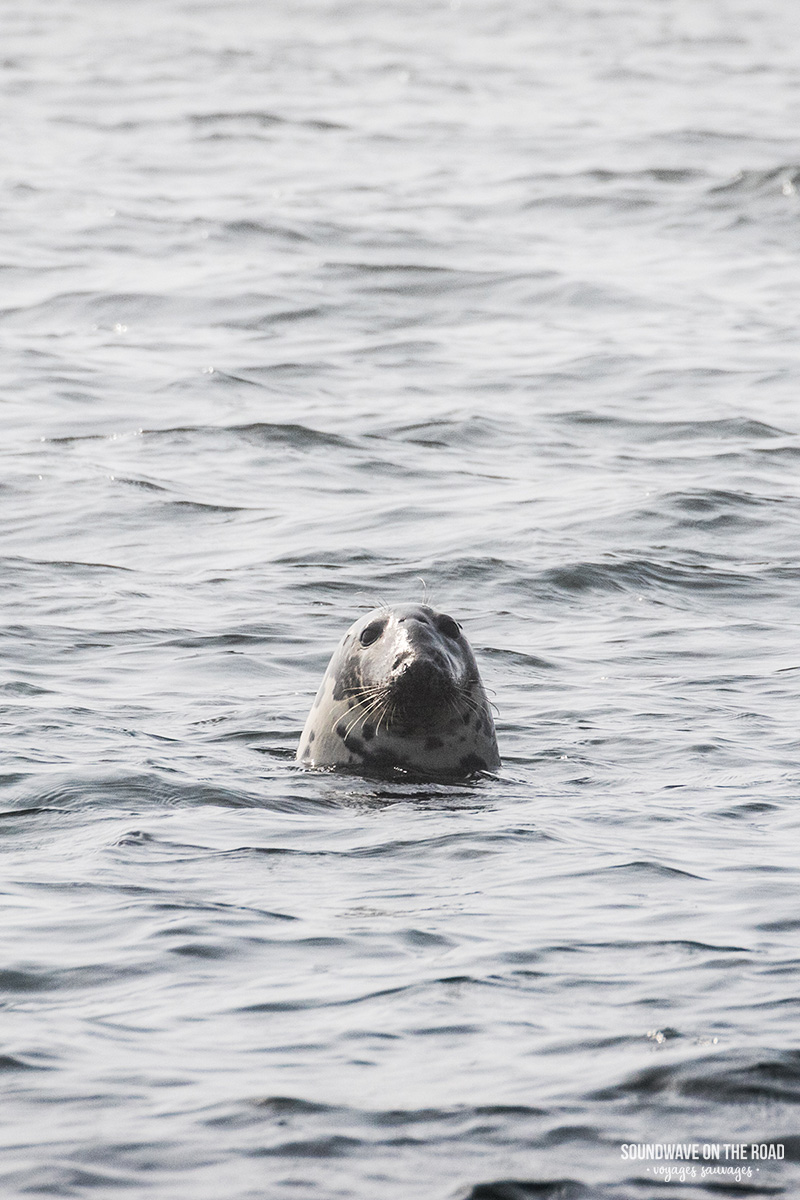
[411, 699]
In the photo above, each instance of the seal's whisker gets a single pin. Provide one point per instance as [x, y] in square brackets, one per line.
[468, 701]
[380, 713]
[365, 601]
[365, 693]
[360, 716]
[377, 602]
[372, 703]
[387, 712]
[363, 713]
[462, 700]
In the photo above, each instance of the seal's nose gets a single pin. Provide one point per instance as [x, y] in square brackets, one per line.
[420, 675]
[420, 690]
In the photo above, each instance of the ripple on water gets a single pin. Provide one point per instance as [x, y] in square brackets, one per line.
[305, 304]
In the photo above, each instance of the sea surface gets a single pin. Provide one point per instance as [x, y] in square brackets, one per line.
[312, 305]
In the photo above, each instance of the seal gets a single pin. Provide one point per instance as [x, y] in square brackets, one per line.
[402, 689]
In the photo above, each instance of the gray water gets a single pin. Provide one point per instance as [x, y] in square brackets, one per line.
[303, 303]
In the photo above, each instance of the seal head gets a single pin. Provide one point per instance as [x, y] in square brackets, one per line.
[402, 690]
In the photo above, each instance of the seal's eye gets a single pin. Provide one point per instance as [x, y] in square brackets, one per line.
[449, 627]
[370, 633]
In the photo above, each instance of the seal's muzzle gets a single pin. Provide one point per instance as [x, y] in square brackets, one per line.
[420, 690]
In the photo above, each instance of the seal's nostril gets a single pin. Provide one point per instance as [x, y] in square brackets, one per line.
[401, 658]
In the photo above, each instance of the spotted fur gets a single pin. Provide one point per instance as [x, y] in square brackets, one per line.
[402, 690]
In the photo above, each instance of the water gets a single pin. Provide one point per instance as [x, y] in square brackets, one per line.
[303, 303]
